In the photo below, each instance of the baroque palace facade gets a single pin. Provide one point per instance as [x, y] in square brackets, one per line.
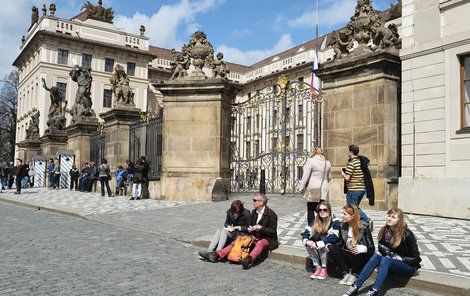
[52, 46]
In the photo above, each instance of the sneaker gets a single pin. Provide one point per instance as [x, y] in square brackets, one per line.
[371, 292]
[352, 291]
[316, 273]
[352, 278]
[345, 278]
[323, 274]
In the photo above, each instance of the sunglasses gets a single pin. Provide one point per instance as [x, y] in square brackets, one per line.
[323, 210]
[350, 207]
[255, 200]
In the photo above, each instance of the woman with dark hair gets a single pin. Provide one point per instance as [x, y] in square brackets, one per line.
[237, 217]
[355, 246]
[317, 238]
[398, 254]
[104, 175]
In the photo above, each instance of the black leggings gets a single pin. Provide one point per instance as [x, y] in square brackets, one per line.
[311, 206]
[347, 261]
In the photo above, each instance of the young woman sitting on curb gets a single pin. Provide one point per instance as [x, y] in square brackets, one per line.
[398, 254]
[355, 246]
[325, 231]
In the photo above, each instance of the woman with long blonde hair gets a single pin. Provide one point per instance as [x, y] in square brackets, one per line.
[355, 246]
[316, 174]
[324, 232]
[399, 254]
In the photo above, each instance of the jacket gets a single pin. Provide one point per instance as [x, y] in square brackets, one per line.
[365, 237]
[408, 249]
[370, 192]
[313, 171]
[331, 237]
[269, 227]
[243, 219]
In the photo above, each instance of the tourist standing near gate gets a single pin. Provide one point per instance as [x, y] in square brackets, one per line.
[104, 174]
[20, 173]
[74, 174]
[314, 184]
[50, 170]
[56, 176]
[3, 174]
[398, 254]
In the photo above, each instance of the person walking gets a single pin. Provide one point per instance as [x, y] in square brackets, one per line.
[356, 181]
[104, 174]
[398, 254]
[20, 173]
[314, 184]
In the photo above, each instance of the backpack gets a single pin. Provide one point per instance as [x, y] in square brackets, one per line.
[241, 248]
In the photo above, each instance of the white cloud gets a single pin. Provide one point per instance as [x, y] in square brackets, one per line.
[162, 27]
[235, 55]
[337, 13]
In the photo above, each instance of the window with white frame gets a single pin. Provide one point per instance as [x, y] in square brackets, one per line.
[465, 91]
[62, 56]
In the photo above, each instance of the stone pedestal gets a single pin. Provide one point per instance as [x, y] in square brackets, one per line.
[79, 135]
[52, 142]
[29, 148]
[362, 107]
[116, 126]
[196, 142]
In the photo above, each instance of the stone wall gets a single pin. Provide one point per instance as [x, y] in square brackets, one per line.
[361, 107]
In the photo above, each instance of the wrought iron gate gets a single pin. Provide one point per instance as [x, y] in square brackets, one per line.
[272, 134]
[97, 146]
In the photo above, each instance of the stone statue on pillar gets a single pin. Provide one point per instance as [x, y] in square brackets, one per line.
[56, 116]
[32, 132]
[219, 67]
[34, 15]
[82, 107]
[123, 93]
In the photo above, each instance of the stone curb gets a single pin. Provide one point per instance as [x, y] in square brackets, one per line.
[40, 207]
[437, 282]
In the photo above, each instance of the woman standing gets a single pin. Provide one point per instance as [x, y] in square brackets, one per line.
[355, 246]
[325, 231]
[399, 254]
[316, 174]
[104, 174]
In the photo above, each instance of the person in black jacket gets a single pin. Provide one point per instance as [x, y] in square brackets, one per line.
[355, 246]
[237, 217]
[399, 254]
[263, 228]
[20, 174]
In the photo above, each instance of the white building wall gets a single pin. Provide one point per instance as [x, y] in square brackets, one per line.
[435, 157]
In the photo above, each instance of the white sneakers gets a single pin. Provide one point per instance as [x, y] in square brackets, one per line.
[348, 279]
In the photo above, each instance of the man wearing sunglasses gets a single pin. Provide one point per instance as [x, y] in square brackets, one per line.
[263, 228]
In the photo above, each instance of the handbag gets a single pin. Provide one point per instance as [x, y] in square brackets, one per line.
[314, 194]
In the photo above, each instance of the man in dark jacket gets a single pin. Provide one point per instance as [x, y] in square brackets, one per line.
[263, 228]
[20, 174]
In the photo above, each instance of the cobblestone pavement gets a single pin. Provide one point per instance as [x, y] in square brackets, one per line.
[443, 242]
[48, 254]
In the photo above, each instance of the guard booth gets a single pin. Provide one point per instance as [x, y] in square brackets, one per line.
[66, 160]
[40, 164]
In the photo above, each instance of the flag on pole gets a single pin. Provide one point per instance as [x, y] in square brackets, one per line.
[314, 83]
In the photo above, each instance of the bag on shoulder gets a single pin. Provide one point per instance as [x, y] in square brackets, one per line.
[313, 195]
[242, 247]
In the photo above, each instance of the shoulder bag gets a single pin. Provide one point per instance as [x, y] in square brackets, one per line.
[314, 194]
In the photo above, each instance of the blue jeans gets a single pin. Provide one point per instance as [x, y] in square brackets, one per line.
[385, 265]
[354, 197]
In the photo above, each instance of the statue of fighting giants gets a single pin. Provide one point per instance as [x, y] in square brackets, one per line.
[56, 116]
[83, 101]
[121, 89]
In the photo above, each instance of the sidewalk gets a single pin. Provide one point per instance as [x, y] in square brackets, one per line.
[443, 242]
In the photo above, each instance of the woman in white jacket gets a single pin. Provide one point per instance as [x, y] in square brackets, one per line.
[316, 174]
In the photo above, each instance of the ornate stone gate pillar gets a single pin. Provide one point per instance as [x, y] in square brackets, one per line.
[196, 137]
[79, 135]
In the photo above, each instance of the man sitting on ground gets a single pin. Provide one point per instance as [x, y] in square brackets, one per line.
[264, 229]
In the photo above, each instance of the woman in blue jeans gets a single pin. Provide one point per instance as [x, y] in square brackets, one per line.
[398, 255]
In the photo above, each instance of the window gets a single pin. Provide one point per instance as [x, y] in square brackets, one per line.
[465, 91]
[107, 98]
[300, 113]
[108, 65]
[248, 149]
[130, 69]
[300, 142]
[62, 56]
[248, 124]
[86, 60]
[62, 87]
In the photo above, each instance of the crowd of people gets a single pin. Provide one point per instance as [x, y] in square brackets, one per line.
[83, 179]
[342, 245]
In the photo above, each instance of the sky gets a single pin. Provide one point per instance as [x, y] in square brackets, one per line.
[246, 31]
